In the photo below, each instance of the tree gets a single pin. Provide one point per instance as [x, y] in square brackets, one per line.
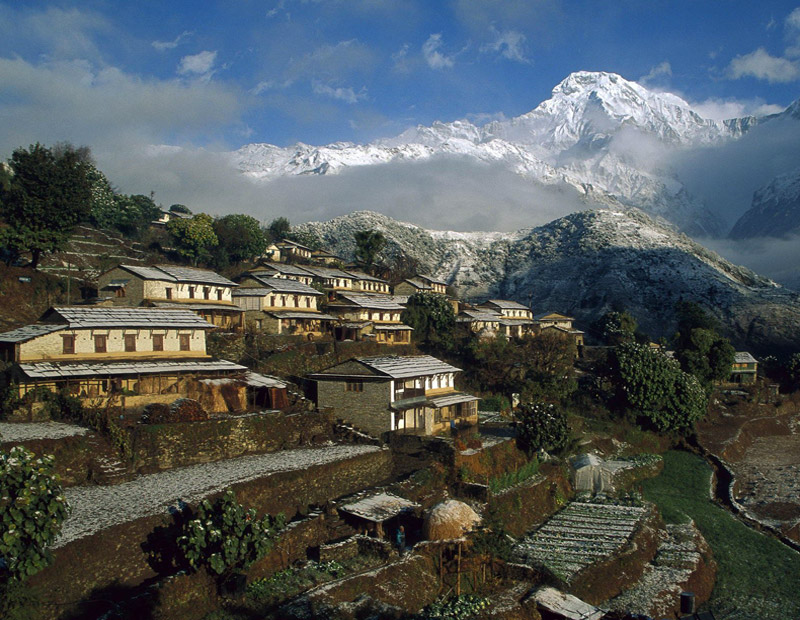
[193, 237]
[369, 243]
[656, 388]
[32, 510]
[178, 208]
[432, 318]
[224, 536]
[279, 228]
[240, 237]
[46, 197]
[706, 355]
[615, 327]
[542, 426]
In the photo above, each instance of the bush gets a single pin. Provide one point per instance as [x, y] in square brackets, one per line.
[186, 410]
[224, 536]
[31, 512]
[541, 427]
[495, 402]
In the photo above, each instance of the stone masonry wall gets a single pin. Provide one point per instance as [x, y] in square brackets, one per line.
[115, 559]
[158, 447]
[367, 410]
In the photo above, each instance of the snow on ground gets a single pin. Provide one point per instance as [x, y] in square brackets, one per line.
[24, 431]
[95, 508]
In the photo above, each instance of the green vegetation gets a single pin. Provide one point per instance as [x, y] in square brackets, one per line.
[432, 318]
[48, 194]
[240, 237]
[510, 478]
[616, 327]
[224, 536]
[292, 581]
[756, 573]
[193, 238]
[454, 608]
[369, 243]
[541, 426]
[655, 387]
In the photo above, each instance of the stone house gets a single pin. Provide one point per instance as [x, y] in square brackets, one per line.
[369, 317]
[282, 306]
[411, 394]
[744, 368]
[516, 320]
[323, 257]
[484, 324]
[365, 283]
[291, 250]
[558, 323]
[147, 354]
[170, 286]
[421, 284]
[269, 269]
[332, 280]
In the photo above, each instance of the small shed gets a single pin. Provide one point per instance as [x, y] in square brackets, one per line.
[594, 475]
[449, 520]
[378, 514]
[554, 604]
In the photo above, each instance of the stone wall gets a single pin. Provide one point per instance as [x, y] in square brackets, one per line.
[157, 447]
[367, 410]
[115, 560]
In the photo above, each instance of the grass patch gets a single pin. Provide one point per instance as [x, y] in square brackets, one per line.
[758, 577]
[511, 478]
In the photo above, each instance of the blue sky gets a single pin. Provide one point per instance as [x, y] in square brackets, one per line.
[221, 74]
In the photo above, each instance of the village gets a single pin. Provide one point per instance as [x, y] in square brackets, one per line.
[389, 488]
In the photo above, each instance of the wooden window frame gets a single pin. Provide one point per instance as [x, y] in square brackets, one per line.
[354, 386]
[68, 344]
[158, 342]
[100, 343]
[185, 342]
[130, 343]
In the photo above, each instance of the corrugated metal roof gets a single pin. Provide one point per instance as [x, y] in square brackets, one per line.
[370, 302]
[399, 367]
[285, 285]
[192, 274]
[743, 357]
[29, 332]
[381, 507]
[50, 370]
[88, 316]
[451, 399]
[506, 304]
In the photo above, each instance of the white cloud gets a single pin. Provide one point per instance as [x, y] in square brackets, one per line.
[792, 26]
[201, 64]
[332, 62]
[723, 109]
[434, 58]
[348, 95]
[663, 69]
[510, 44]
[162, 46]
[761, 65]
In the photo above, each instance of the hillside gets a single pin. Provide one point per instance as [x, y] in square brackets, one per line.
[588, 263]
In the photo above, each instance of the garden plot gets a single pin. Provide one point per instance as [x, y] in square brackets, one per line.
[94, 508]
[578, 536]
[27, 431]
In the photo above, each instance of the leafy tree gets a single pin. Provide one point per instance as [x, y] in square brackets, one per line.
[616, 327]
[31, 512]
[542, 426]
[692, 316]
[654, 386]
[369, 243]
[47, 196]
[432, 318]
[240, 237]
[178, 208]
[706, 355]
[193, 237]
[224, 536]
[279, 228]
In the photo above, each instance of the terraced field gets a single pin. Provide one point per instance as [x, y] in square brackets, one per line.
[578, 536]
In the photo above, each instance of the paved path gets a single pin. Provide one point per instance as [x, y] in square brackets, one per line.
[24, 431]
[95, 508]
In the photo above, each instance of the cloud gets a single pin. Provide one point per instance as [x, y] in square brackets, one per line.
[107, 108]
[792, 27]
[775, 258]
[332, 62]
[724, 109]
[656, 73]
[201, 64]
[162, 46]
[400, 60]
[434, 58]
[510, 44]
[761, 65]
[348, 95]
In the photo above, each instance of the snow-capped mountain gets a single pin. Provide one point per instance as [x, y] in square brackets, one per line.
[610, 138]
[587, 263]
[775, 211]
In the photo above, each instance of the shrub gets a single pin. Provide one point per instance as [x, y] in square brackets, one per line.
[541, 427]
[31, 512]
[186, 410]
[224, 536]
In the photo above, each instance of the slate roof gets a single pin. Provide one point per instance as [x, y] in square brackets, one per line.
[552, 316]
[360, 275]
[743, 357]
[29, 332]
[400, 367]
[281, 268]
[174, 273]
[328, 272]
[282, 285]
[256, 380]
[423, 286]
[197, 305]
[393, 328]
[51, 370]
[431, 280]
[506, 304]
[294, 314]
[478, 315]
[379, 508]
[97, 316]
[451, 399]
[372, 302]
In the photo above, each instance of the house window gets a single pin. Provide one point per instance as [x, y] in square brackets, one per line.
[354, 386]
[219, 294]
[169, 293]
[158, 342]
[191, 292]
[259, 323]
[184, 342]
[206, 292]
[130, 343]
[100, 344]
[120, 292]
[68, 347]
